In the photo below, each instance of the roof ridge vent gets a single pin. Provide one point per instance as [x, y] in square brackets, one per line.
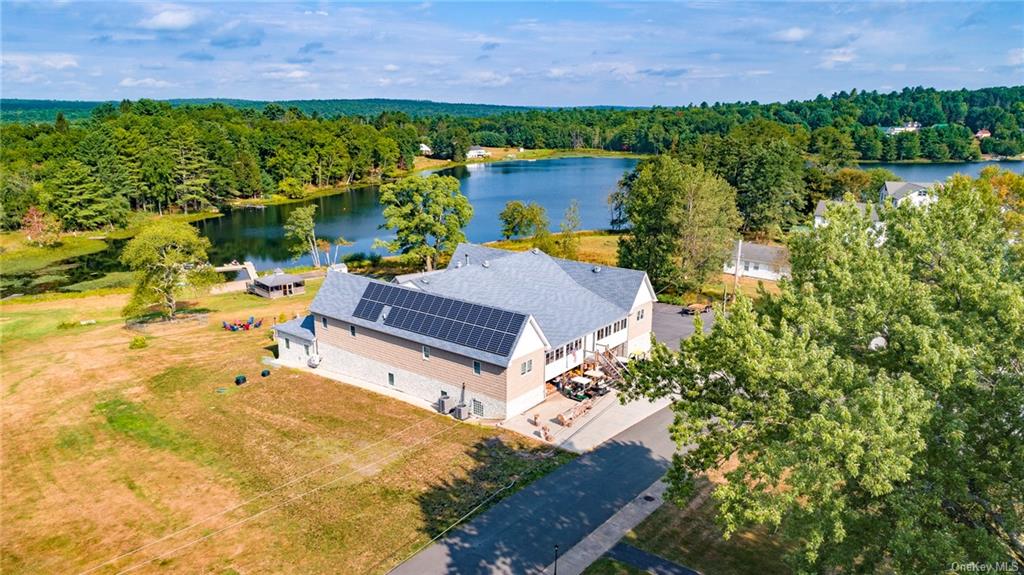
[487, 263]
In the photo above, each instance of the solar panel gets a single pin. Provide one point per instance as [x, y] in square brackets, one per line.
[471, 325]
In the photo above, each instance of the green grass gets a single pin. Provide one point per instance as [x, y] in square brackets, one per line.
[691, 537]
[30, 324]
[19, 257]
[109, 281]
[135, 422]
[605, 566]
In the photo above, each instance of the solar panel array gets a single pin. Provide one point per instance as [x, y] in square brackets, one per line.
[479, 327]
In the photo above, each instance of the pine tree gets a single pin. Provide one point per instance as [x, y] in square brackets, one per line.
[191, 175]
[81, 201]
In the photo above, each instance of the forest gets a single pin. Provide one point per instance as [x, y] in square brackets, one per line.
[155, 156]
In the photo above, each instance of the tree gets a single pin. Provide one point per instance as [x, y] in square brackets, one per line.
[81, 201]
[39, 227]
[291, 188]
[191, 168]
[682, 223]
[60, 123]
[872, 409]
[770, 187]
[300, 233]
[568, 243]
[835, 149]
[427, 216]
[522, 219]
[169, 258]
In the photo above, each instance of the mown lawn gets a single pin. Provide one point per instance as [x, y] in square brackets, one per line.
[689, 536]
[107, 449]
[605, 566]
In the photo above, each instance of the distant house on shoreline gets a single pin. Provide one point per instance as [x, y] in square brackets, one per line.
[908, 127]
[425, 150]
[758, 261]
[476, 152]
[899, 193]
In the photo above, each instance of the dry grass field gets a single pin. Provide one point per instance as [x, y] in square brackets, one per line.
[152, 460]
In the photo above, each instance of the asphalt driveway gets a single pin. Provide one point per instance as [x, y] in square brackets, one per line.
[518, 535]
[670, 324]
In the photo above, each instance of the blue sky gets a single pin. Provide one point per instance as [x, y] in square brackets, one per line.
[505, 53]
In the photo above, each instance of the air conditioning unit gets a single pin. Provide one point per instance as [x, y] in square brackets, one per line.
[314, 361]
[446, 404]
[462, 412]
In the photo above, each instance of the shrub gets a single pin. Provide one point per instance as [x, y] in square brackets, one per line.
[67, 324]
[355, 257]
[138, 342]
[375, 259]
[282, 318]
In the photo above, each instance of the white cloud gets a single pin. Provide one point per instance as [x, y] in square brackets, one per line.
[794, 34]
[1015, 57]
[28, 62]
[391, 68]
[170, 18]
[291, 73]
[316, 13]
[130, 82]
[837, 56]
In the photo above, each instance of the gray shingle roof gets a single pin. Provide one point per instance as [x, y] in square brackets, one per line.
[761, 253]
[823, 205]
[278, 279]
[301, 328]
[341, 292]
[899, 190]
[567, 299]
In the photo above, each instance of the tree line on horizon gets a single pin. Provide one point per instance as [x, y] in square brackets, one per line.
[151, 156]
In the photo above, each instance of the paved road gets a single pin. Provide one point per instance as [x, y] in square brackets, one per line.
[518, 535]
[648, 562]
[670, 325]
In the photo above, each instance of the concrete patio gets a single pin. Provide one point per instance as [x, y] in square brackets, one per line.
[607, 418]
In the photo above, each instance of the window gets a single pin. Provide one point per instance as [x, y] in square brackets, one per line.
[307, 349]
[478, 408]
[352, 330]
[391, 379]
[426, 352]
[746, 266]
[287, 343]
[757, 266]
[529, 365]
[619, 326]
[573, 346]
[323, 321]
[522, 368]
[476, 367]
[640, 314]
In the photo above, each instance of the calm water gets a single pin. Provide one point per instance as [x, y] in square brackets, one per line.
[941, 171]
[257, 235]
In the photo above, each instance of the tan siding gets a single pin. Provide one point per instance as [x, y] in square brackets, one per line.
[643, 326]
[519, 384]
[442, 366]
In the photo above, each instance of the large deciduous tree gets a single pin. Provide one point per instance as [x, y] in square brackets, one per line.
[874, 409]
[682, 220]
[168, 258]
[427, 215]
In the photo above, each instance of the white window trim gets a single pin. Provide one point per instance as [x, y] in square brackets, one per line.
[426, 352]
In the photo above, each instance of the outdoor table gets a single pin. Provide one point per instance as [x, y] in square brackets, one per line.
[595, 373]
[582, 380]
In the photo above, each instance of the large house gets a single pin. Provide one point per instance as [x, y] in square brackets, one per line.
[476, 152]
[758, 261]
[898, 193]
[489, 330]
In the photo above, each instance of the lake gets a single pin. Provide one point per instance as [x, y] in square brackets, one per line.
[257, 235]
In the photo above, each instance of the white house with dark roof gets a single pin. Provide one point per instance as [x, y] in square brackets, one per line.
[476, 152]
[821, 210]
[490, 329]
[914, 193]
[759, 261]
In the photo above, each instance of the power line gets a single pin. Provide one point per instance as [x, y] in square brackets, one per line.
[330, 463]
[281, 504]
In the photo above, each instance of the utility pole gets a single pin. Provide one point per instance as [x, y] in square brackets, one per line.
[556, 559]
[736, 269]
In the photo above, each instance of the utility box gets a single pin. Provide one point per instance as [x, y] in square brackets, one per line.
[462, 412]
[446, 404]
